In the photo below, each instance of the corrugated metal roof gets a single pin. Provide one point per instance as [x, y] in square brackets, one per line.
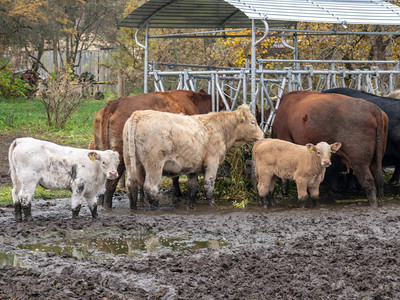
[238, 13]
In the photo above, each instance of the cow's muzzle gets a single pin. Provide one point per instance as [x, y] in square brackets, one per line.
[326, 163]
[112, 175]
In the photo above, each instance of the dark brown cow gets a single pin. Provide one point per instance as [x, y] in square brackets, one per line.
[310, 117]
[109, 122]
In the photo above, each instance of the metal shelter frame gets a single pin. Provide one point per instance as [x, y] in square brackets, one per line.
[283, 13]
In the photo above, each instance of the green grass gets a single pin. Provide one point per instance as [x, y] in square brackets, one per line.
[40, 193]
[27, 117]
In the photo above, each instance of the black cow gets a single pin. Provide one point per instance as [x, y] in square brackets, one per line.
[391, 106]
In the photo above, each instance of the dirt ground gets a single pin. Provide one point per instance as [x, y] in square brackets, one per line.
[334, 251]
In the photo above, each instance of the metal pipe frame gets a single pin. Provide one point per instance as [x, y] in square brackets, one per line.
[264, 82]
[284, 80]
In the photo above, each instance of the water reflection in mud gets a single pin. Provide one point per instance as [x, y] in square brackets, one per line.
[10, 259]
[139, 246]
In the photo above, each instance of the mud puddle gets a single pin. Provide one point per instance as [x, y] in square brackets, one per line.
[10, 259]
[109, 248]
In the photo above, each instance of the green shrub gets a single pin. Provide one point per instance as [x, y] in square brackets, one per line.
[11, 85]
[63, 97]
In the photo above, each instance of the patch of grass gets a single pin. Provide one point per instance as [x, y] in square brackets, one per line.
[29, 116]
[40, 193]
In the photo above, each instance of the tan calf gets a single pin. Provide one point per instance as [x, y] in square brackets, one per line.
[306, 165]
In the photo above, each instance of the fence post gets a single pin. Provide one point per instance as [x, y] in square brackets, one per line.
[121, 84]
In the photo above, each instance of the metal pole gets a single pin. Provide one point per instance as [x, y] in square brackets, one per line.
[146, 59]
[146, 54]
[253, 60]
[253, 66]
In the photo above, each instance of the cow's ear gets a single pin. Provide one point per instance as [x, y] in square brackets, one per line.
[242, 113]
[201, 91]
[335, 147]
[311, 148]
[93, 156]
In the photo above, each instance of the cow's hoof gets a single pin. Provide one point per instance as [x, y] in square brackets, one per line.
[154, 206]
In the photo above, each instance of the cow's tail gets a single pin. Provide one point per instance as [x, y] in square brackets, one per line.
[13, 171]
[109, 109]
[96, 143]
[129, 152]
[379, 151]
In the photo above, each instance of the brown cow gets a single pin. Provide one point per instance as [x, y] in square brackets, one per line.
[157, 142]
[109, 122]
[306, 165]
[309, 117]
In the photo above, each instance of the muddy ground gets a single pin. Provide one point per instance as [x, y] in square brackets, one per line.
[334, 251]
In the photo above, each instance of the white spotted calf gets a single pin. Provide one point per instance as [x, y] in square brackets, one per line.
[56, 167]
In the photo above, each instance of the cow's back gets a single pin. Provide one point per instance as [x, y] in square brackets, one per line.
[391, 107]
[310, 117]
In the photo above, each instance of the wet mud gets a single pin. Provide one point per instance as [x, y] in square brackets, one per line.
[333, 251]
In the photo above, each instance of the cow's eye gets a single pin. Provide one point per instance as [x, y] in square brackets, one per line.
[319, 153]
[253, 122]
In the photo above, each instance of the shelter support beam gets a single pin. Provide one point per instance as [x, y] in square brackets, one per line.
[253, 74]
[146, 54]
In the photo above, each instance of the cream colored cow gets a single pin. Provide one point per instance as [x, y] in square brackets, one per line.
[156, 142]
[306, 165]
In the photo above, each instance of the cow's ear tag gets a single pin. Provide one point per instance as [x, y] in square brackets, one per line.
[310, 148]
[92, 158]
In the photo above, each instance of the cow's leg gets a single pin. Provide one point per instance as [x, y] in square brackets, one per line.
[367, 181]
[152, 186]
[132, 186]
[193, 188]
[25, 196]
[176, 190]
[78, 190]
[301, 191]
[17, 205]
[284, 186]
[140, 179]
[270, 196]
[91, 201]
[314, 194]
[264, 188]
[133, 194]
[111, 185]
[396, 175]
[209, 181]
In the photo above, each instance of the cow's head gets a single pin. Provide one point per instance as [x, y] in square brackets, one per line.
[247, 129]
[108, 161]
[323, 151]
